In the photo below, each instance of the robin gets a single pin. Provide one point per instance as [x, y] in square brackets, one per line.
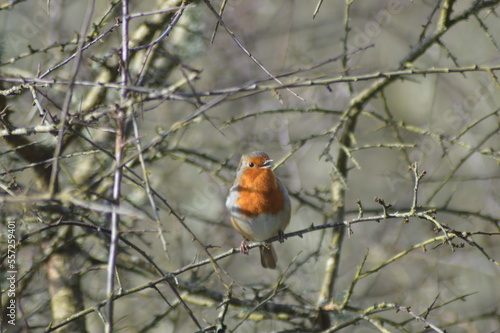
[259, 205]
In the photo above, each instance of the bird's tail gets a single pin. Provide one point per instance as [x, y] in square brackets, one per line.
[268, 257]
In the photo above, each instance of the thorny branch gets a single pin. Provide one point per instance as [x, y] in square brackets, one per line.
[86, 201]
[426, 214]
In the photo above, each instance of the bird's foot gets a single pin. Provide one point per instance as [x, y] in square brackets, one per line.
[281, 236]
[244, 246]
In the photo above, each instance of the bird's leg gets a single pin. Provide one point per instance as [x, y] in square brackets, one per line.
[244, 247]
[281, 236]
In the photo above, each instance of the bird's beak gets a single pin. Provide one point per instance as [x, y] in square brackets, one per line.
[267, 164]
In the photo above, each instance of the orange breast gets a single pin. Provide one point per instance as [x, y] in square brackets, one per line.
[259, 193]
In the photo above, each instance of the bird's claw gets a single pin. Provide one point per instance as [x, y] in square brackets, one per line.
[244, 247]
[281, 236]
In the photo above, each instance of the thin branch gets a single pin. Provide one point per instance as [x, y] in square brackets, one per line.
[417, 176]
[118, 173]
[462, 161]
[53, 183]
[240, 45]
[26, 131]
[153, 93]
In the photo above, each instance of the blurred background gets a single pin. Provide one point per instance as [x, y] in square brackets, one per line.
[366, 89]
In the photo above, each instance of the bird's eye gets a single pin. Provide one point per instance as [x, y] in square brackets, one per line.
[251, 165]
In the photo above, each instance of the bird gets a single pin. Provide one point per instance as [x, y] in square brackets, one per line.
[258, 204]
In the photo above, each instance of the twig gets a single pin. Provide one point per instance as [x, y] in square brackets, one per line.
[462, 161]
[417, 177]
[25, 131]
[224, 307]
[168, 29]
[147, 185]
[357, 277]
[360, 208]
[316, 10]
[53, 182]
[261, 86]
[221, 11]
[240, 45]
[416, 316]
[384, 206]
